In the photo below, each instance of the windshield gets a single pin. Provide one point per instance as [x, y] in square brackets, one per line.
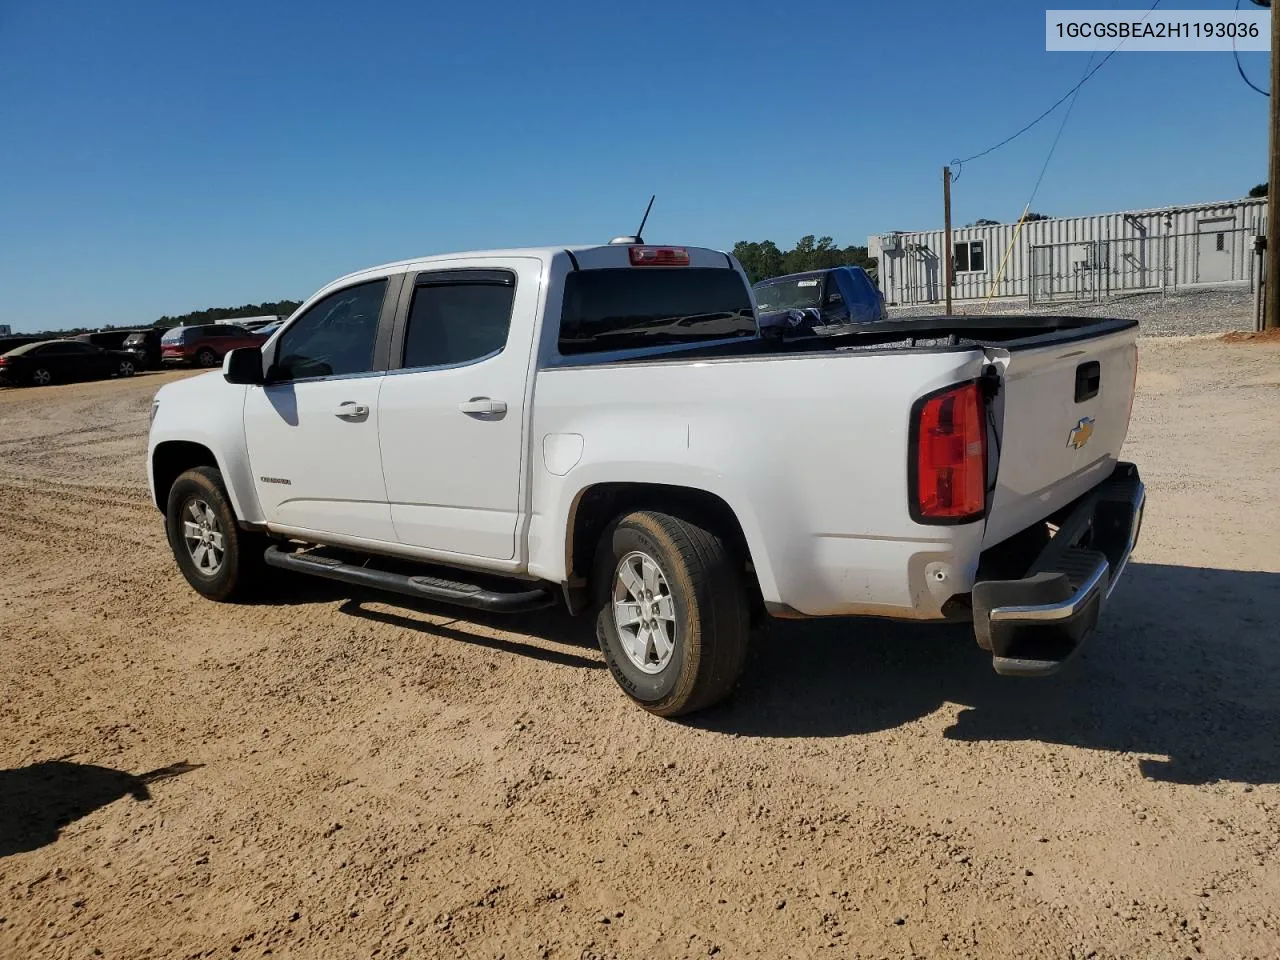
[174, 336]
[135, 338]
[789, 294]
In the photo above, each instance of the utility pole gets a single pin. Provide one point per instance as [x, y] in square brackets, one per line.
[1271, 312]
[946, 215]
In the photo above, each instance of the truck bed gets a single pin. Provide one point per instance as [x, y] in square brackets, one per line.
[1012, 332]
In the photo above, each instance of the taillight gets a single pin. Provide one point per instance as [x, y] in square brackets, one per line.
[4, 362]
[949, 456]
[659, 257]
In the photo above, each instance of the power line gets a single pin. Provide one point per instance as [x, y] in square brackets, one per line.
[1236, 53]
[958, 165]
[1054, 146]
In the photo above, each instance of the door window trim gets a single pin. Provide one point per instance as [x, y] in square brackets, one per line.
[381, 341]
[504, 276]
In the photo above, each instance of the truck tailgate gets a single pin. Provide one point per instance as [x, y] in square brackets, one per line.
[1062, 414]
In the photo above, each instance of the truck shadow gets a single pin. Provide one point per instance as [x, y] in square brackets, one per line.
[1185, 665]
[551, 624]
[39, 800]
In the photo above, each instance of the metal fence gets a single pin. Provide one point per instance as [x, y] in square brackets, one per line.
[1095, 270]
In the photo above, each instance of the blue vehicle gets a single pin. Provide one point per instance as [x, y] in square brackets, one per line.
[819, 299]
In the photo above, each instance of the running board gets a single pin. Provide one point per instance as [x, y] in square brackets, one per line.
[423, 587]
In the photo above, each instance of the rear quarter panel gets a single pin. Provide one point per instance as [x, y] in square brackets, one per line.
[810, 452]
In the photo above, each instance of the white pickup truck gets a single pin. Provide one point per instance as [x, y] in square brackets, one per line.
[607, 428]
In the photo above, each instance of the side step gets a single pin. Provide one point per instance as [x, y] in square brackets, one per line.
[423, 587]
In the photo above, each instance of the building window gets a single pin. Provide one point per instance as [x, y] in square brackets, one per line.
[1222, 242]
[971, 257]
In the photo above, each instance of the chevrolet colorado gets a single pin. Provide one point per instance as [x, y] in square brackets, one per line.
[608, 427]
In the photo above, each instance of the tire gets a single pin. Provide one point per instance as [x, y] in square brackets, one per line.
[206, 358]
[707, 603]
[198, 506]
[126, 369]
[41, 377]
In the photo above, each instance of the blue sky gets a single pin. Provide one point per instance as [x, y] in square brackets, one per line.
[162, 157]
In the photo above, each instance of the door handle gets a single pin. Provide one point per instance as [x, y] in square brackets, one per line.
[352, 412]
[484, 407]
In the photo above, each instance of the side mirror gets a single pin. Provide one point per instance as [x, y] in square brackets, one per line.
[243, 365]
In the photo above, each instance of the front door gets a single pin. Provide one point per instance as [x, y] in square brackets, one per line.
[452, 415]
[1214, 249]
[312, 431]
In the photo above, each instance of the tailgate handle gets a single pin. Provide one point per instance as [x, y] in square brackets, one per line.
[1088, 380]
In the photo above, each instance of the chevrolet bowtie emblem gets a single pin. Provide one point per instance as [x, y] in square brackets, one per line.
[1080, 433]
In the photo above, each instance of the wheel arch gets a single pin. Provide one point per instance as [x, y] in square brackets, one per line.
[171, 458]
[595, 506]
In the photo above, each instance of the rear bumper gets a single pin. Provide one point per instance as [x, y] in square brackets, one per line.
[1034, 624]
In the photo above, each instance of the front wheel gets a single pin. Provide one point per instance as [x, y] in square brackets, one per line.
[207, 358]
[673, 617]
[219, 560]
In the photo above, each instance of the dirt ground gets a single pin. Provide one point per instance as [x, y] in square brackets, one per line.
[329, 775]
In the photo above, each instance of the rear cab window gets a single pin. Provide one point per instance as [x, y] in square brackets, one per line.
[628, 308]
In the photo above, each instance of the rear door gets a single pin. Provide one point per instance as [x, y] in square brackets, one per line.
[452, 409]
[1065, 412]
[71, 360]
[312, 431]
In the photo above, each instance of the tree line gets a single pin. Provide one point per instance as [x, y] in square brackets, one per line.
[763, 259]
[279, 308]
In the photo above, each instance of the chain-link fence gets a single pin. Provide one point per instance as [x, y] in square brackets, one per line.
[1096, 270]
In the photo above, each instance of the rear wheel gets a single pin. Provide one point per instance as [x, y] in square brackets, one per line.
[221, 561]
[126, 368]
[41, 377]
[207, 358]
[673, 617]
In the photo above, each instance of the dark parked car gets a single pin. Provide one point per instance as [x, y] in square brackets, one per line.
[60, 361]
[107, 339]
[206, 344]
[145, 347]
[819, 298]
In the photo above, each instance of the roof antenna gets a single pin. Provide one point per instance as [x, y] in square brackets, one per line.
[638, 238]
[645, 219]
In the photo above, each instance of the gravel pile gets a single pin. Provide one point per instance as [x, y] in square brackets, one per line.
[1181, 314]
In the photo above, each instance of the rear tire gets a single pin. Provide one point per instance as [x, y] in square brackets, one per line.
[126, 368]
[207, 358]
[41, 377]
[221, 561]
[673, 617]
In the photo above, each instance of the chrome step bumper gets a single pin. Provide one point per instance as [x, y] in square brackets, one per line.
[1034, 624]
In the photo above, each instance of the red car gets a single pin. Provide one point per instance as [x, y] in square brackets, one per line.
[205, 345]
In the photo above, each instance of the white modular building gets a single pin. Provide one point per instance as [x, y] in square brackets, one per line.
[1077, 258]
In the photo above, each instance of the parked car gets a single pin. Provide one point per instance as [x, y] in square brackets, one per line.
[267, 329]
[820, 299]
[145, 347]
[107, 339]
[257, 325]
[206, 344]
[605, 427]
[61, 361]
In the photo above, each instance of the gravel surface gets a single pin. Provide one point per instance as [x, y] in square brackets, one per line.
[326, 774]
[1182, 314]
